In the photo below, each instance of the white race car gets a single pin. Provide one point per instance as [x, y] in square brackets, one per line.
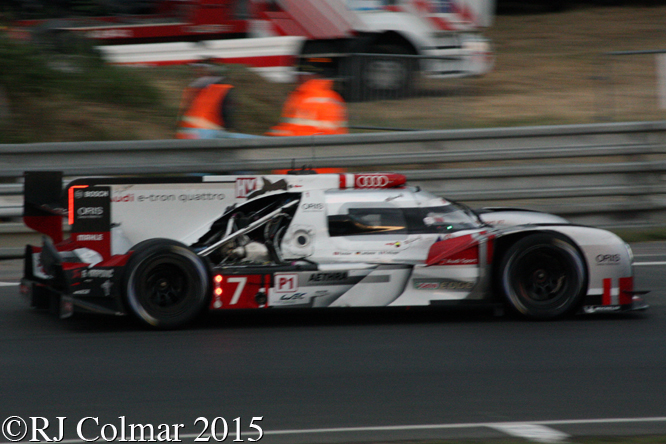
[164, 250]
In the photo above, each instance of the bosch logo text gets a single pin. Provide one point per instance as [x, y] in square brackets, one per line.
[98, 193]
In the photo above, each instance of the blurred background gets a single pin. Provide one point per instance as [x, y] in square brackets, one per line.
[548, 62]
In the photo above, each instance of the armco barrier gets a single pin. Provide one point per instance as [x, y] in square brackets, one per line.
[608, 175]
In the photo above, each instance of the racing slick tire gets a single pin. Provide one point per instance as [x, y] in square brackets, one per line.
[543, 276]
[166, 284]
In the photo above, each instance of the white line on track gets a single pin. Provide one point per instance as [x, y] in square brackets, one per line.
[8, 284]
[646, 264]
[533, 432]
[526, 426]
[466, 425]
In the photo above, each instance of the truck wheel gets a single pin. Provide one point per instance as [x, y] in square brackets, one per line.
[166, 283]
[387, 76]
[543, 276]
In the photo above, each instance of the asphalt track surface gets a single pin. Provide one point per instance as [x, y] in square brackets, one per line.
[341, 376]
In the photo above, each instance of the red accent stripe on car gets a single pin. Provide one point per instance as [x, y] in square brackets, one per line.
[606, 299]
[626, 289]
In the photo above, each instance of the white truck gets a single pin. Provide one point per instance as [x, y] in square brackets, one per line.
[437, 37]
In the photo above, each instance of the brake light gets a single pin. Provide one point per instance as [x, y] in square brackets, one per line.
[218, 285]
[70, 201]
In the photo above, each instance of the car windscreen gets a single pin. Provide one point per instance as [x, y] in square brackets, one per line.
[362, 221]
[441, 219]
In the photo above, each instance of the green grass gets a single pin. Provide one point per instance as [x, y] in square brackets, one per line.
[641, 235]
[34, 80]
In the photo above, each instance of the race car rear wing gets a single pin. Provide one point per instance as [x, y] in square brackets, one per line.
[43, 207]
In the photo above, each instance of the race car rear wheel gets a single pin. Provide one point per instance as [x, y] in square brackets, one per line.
[166, 283]
[543, 276]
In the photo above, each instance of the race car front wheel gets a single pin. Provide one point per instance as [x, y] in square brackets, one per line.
[166, 283]
[543, 276]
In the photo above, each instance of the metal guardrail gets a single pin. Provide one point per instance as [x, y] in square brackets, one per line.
[608, 175]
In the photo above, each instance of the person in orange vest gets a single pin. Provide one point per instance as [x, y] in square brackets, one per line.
[313, 108]
[207, 106]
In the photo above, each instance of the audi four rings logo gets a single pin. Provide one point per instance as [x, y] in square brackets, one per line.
[372, 181]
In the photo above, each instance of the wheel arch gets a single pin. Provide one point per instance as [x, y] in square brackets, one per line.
[393, 38]
[503, 244]
[147, 249]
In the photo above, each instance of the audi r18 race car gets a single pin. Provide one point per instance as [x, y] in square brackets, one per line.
[166, 249]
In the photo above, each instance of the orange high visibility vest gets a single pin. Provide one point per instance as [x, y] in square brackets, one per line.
[204, 111]
[313, 108]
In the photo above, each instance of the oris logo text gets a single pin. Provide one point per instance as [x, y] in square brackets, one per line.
[607, 258]
[90, 211]
[371, 181]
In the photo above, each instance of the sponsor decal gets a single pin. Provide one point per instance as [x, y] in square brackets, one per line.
[89, 237]
[106, 287]
[123, 198]
[266, 187]
[90, 212]
[171, 197]
[200, 196]
[442, 284]
[460, 261]
[293, 297]
[110, 34]
[328, 277]
[601, 309]
[97, 273]
[208, 29]
[371, 181]
[79, 193]
[94, 193]
[403, 243]
[426, 285]
[286, 283]
[312, 207]
[608, 259]
[245, 185]
[89, 209]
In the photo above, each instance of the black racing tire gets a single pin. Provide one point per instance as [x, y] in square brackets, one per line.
[543, 276]
[166, 285]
